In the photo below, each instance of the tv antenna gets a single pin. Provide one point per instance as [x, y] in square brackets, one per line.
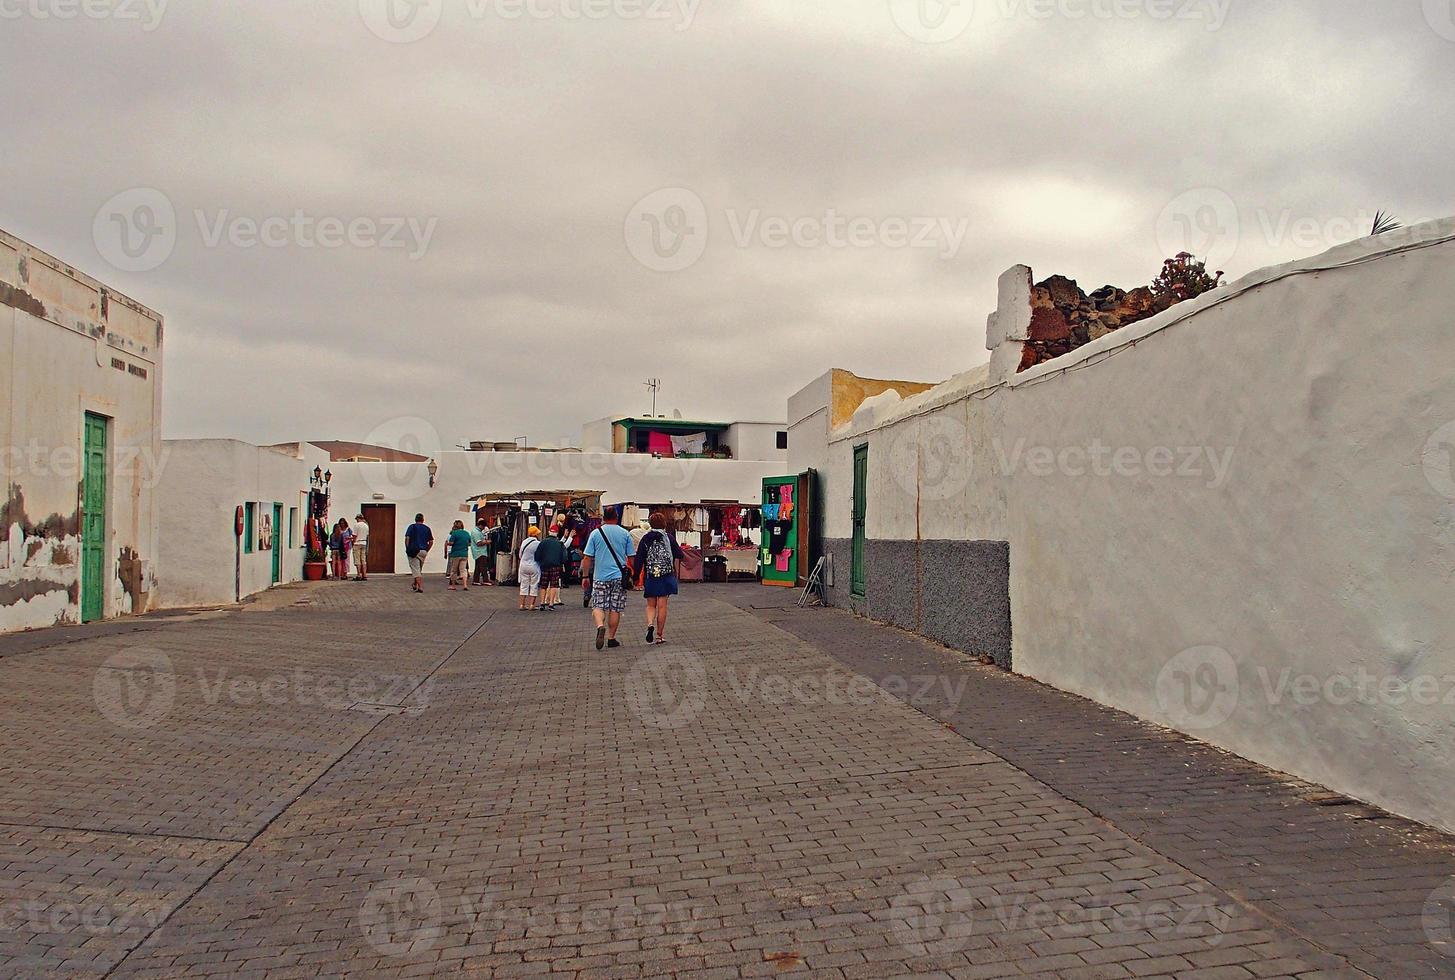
[654, 385]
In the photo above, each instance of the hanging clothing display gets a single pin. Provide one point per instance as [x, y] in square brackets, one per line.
[778, 532]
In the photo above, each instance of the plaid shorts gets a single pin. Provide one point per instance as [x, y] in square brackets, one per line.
[551, 577]
[608, 596]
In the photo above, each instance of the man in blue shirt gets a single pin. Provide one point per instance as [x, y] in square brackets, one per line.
[418, 540]
[603, 567]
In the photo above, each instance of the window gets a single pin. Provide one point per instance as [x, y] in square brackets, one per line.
[782, 440]
[292, 527]
[250, 527]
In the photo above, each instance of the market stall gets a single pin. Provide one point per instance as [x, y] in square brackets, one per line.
[721, 534]
[511, 515]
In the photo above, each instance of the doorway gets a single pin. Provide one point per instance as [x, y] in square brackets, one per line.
[93, 521]
[380, 518]
[277, 543]
[861, 509]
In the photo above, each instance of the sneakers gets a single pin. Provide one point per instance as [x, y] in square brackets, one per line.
[601, 637]
[613, 644]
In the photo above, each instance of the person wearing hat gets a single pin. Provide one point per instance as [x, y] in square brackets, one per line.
[530, 569]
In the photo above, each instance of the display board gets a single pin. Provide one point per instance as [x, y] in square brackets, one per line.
[784, 556]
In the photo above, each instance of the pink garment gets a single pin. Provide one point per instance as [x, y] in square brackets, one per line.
[784, 560]
[659, 444]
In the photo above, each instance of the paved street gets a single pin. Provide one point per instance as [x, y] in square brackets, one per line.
[350, 780]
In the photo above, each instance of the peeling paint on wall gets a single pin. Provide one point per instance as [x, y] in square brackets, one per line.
[21, 300]
[39, 572]
[131, 571]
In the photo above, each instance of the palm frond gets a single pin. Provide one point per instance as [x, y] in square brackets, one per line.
[1384, 222]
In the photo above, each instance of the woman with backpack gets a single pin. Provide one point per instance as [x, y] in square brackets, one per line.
[656, 566]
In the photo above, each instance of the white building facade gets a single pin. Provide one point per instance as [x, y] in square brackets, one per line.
[1235, 519]
[232, 519]
[82, 444]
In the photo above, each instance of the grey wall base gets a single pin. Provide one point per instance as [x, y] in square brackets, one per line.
[953, 592]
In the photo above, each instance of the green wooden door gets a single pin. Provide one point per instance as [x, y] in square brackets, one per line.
[277, 543]
[93, 521]
[861, 509]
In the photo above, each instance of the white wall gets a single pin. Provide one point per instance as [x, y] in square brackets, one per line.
[757, 441]
[620, 477]
[62, 335]
[1255, 595]
[203, 483]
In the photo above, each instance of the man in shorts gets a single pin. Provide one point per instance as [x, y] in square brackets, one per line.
[418, 540]
[361, 549]
[603, 571]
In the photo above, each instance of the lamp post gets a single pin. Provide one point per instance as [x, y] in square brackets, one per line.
[434, 471]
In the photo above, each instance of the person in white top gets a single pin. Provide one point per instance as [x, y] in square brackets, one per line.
[361, 549]
[529, 571]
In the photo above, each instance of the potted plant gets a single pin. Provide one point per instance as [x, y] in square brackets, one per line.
[315, 565]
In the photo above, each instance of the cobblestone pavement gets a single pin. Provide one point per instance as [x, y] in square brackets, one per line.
[347, 779]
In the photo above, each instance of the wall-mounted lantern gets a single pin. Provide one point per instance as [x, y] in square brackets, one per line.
[434, 471]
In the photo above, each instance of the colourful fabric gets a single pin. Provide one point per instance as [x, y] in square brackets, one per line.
[784, 558]
[659, 444]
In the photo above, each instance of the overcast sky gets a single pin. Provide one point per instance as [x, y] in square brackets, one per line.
[499, 217]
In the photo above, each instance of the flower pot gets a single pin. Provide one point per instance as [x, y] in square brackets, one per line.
[313, 571]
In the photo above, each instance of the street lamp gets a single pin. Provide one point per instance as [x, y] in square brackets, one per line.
[434, 471]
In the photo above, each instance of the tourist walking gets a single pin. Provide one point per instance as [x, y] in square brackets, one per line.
[551, 556]
[657, 566]
[603, 574]
[418, 541]
[361, 549]
[459, 557]
[530, 570]
[341, 542]
[483, 554]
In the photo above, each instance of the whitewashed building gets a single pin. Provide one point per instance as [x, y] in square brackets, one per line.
[232, 517]
[1235, 518]
[81, 438]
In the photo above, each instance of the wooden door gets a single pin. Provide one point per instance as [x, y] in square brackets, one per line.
[380, 518]
[93, 521]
